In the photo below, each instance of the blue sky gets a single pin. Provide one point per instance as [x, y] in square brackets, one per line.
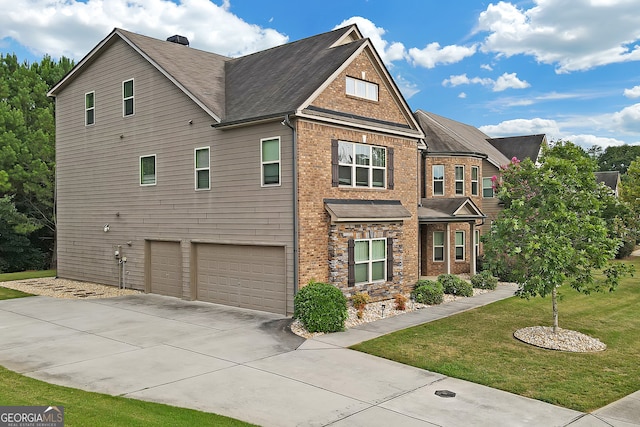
[566, 68]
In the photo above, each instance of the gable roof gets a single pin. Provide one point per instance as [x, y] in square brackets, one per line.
[446, 136]
[456, 209]
[609, 178]
[520, 147]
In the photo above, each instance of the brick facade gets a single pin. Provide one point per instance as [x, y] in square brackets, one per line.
[428, 266]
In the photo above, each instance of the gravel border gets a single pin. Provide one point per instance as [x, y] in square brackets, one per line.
[68, 289]
[563, 339]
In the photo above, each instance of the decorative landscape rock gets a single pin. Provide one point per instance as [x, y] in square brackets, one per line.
[563, 339]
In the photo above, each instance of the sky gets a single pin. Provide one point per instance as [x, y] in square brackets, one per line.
[569, 69]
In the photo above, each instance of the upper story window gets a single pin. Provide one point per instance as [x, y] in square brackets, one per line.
[148, 170]
[474, 180]
[127, 98]
[361, 165]
[487, 188]
[89, 108]
[370, 260]
[202, 168]
[270, 160]
[438, 180]
[459, 180]
[459, 245]
[362, 89]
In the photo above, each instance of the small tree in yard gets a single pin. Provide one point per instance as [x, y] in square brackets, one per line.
[551, 231]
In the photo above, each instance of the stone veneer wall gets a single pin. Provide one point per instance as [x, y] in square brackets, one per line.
[339, 235]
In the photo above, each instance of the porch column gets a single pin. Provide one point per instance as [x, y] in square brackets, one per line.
[448, 248]
[472, 270]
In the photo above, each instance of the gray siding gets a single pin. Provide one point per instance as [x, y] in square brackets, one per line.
[98, 176]
[490, 206]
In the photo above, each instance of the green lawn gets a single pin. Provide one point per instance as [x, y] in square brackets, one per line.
[82, 408]
[21, 275]
[478, 346]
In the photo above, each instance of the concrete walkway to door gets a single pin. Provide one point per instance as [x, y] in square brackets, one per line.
[247, 365]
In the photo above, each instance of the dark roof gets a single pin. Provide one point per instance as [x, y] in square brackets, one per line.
[280, 79]
[521, 147]
[446, 136]
[609, 178]
[349, 210]
[456, 209]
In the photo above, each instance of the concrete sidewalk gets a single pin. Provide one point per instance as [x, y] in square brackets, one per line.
[246, 365]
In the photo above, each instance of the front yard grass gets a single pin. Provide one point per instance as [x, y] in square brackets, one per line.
[82, 408]
[479, 346]
[22, 275]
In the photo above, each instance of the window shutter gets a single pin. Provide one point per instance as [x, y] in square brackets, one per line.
[389, 259]
[351, 253]
[390, 168]
[335, 171]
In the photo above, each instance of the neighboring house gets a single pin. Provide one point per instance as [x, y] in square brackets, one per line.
[611, 179]
[457, 194]
[238, 180]
[520, 147]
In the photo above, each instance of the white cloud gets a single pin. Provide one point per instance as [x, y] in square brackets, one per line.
[573, 34]
[634, 92]
[433, 54]
[71, 28]
[407, 88]
[522, 127]
[486, 67]
[389, 52]
[588, 141]
[504, 82]
[628, 119]
[462, 95]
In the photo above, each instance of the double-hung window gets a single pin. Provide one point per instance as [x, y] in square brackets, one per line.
[459, 171]
[438, 245]
[202, 168]
[477, 243]
[459, 245]
[270, 160]
[362, 89]
[438, 180]
[148, 170]
[487, 187]
[474, 180]
[370, 260]
[127, 98]
[362, 165]
[89, 108]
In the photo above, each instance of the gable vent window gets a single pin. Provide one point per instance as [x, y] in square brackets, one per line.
[362, 89]
[127, 98]
[89, 108]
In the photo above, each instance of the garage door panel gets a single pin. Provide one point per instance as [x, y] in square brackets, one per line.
[243, 276]
[166, 268]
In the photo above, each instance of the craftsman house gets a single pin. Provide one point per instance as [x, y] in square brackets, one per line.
[237, 180]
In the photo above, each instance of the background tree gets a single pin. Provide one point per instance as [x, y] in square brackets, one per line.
[617, 158]
[27, 158]
[630, 194]
[551, 231]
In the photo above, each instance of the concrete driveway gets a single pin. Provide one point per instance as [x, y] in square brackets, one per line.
[247, 365]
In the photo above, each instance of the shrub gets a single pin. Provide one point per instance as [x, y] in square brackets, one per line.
[628, 245]
[401, 302]
[428, 292]
[452, 284]
[359, 302]
[484, 280]
[321, 307]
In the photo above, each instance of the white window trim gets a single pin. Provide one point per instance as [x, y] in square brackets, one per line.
[372, 90]
[433, 180]
[370, 167]
[456, 246]
[483, 188]
[279, 162]
[477, 242]
[132, 97]
[455, 177]
[155, 163]
[438, 246]
[477, 169]
[197, 169]
[370, 261]
[86, 109]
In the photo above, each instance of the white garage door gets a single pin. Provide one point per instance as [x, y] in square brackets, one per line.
[165, 268]
[242, 276]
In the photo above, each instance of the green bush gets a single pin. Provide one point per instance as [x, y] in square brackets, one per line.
[428, 292]
[452, 284]
[484, 280]
[321, 307]
[626, 248]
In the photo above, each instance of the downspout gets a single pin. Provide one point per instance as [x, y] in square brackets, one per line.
[294, 170]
